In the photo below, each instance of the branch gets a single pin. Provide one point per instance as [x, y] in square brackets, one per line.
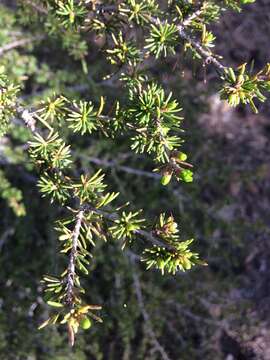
[183, 310]
[210, 58]
[192, 17]
[19, 43]
[146, 317]
[37, 7]
[71, 272]
[127, 169]
[31, 123]
[145, 234]
[6, 234]
[27, 118]
[181, 29]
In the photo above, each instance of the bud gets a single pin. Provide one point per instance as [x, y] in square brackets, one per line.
[71, 17]
[171, 225]
[182, 156]
[240, 79]
[186, 175]
[131, 227]
[85, 323]
[166, 178]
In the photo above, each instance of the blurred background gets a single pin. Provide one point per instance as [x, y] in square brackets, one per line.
[215, 312]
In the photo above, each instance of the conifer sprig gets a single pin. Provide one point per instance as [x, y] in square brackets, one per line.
[147, 114]
[78, 232]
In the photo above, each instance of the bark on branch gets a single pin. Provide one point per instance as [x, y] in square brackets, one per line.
[71, 272]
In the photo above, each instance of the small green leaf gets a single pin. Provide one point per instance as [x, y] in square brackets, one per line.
[55, 304]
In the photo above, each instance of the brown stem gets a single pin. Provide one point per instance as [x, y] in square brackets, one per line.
[210, 58]
[71, 272]
[19, 43]
[147, 235]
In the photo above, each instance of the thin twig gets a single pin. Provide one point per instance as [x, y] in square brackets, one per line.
[192, 17]
[9, 232]
[183, 34]
[146, 317]
[147, 235]
[37, 7]
[184, 311]
[19, 43]
[71, 272]
[210, 58]
[27, 117]
[127, 169]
